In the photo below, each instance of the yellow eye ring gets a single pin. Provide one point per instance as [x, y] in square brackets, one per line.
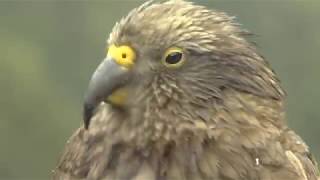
[173, 57]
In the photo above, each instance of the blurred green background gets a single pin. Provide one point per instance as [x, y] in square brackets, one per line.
[48, 50]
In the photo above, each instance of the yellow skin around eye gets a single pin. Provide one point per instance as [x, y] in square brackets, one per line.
[173, 50]
[123, 55]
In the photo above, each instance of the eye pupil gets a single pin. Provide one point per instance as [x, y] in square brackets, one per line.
[124, 55]
[174, 58]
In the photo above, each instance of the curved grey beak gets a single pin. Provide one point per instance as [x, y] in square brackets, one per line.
[108, 76]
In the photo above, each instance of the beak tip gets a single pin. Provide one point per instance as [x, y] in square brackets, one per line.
[87, 114]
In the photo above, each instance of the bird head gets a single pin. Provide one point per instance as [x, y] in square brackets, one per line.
[175, 60]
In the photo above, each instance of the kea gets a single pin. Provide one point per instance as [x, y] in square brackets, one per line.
[182, 94]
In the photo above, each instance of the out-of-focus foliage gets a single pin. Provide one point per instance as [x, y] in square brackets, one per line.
[48, 50]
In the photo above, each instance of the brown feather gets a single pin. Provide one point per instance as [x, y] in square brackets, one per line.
[219, 117]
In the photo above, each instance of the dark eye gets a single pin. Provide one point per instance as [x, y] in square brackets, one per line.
[173, 57]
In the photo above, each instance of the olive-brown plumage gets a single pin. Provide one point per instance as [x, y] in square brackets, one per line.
[201, 104]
